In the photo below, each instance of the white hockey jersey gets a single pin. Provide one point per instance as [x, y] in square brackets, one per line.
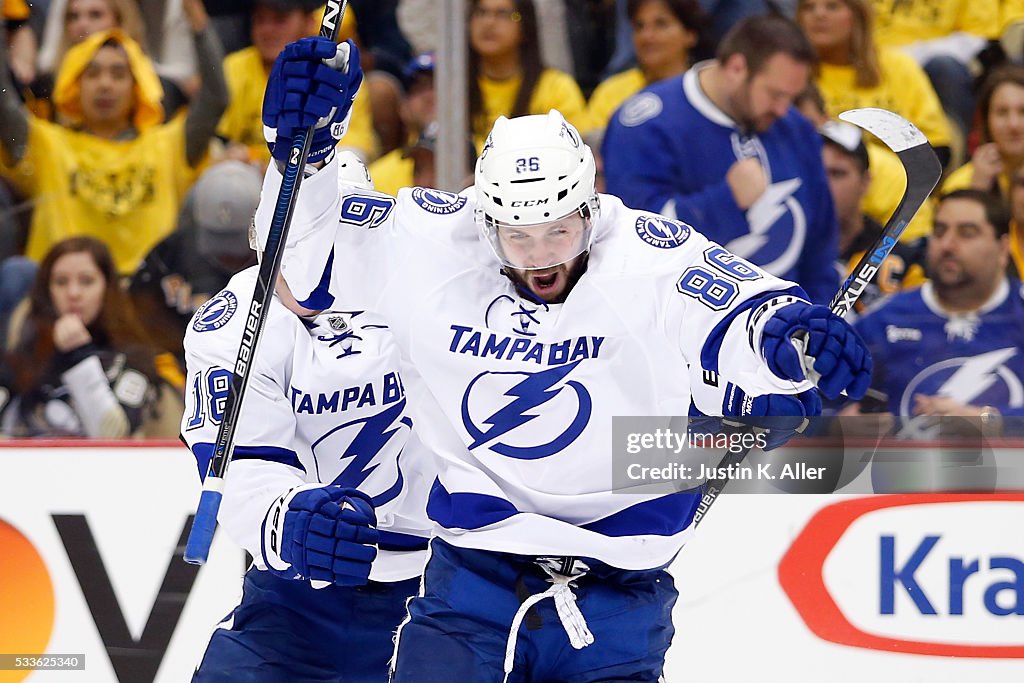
[516, 397]
[325, 403]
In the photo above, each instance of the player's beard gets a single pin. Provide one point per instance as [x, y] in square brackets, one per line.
[529, 281]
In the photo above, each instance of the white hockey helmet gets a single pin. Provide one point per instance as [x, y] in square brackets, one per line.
[352, 171]
[535, 171]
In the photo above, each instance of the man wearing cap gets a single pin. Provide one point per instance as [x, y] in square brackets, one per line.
[196, 261]
[848, 170]
[275, 23]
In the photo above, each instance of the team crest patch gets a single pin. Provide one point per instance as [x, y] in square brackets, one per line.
[640, 108]
[661, 232]
[437, 202]
[215, 313]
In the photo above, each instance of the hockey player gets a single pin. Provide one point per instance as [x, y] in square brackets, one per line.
[722, 148]
[956, 345]
[533, 310]
[326, 478]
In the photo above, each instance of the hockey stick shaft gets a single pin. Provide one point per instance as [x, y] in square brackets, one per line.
[197, 550]
[923, 171]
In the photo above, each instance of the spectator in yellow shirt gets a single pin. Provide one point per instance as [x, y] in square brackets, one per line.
[506, 74]
[888, 178]
[664, 33]
[854, 73]
[1001, 154]
[115, 172]
[275, 23]
[943, 36]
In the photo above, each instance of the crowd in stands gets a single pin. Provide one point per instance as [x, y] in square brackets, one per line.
[132, 153]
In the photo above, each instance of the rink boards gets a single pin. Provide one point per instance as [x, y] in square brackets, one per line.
[773, 588]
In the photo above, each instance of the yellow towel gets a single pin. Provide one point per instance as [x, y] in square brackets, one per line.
[149, 110]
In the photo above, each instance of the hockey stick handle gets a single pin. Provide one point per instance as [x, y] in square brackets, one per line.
[925, 176]
[200, 538]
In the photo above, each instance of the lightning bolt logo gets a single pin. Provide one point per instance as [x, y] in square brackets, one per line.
[762, 217]
[768, 208]
[361, 453]
[527, 395]
[973, 377]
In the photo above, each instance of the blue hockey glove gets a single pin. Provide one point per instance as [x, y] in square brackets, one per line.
[780, 415]
[321, 533]
[840, 360]
[313, 82]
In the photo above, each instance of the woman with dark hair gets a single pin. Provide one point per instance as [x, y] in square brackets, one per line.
[506, 74]
[80, 359]
[1001, 154]
[664, 34]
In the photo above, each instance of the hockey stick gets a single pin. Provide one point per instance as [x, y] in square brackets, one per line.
[923, 171]
[197, 550]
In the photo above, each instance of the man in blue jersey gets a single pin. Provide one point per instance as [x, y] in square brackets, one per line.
[956, 345]
[722, 148]
[530, 311]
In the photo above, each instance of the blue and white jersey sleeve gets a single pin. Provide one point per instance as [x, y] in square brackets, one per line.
[265, 463]
[323, 215]
[712, 304]
[716, 309]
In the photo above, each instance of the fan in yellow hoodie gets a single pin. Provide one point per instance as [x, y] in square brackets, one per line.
[115, 172]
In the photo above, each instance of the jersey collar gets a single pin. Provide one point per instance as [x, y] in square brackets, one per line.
[994, 301]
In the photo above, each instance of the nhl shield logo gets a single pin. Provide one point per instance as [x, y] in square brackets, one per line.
[337, 323]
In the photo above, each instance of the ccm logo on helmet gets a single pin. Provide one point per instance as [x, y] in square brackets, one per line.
[923, 574]
[529, 202]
